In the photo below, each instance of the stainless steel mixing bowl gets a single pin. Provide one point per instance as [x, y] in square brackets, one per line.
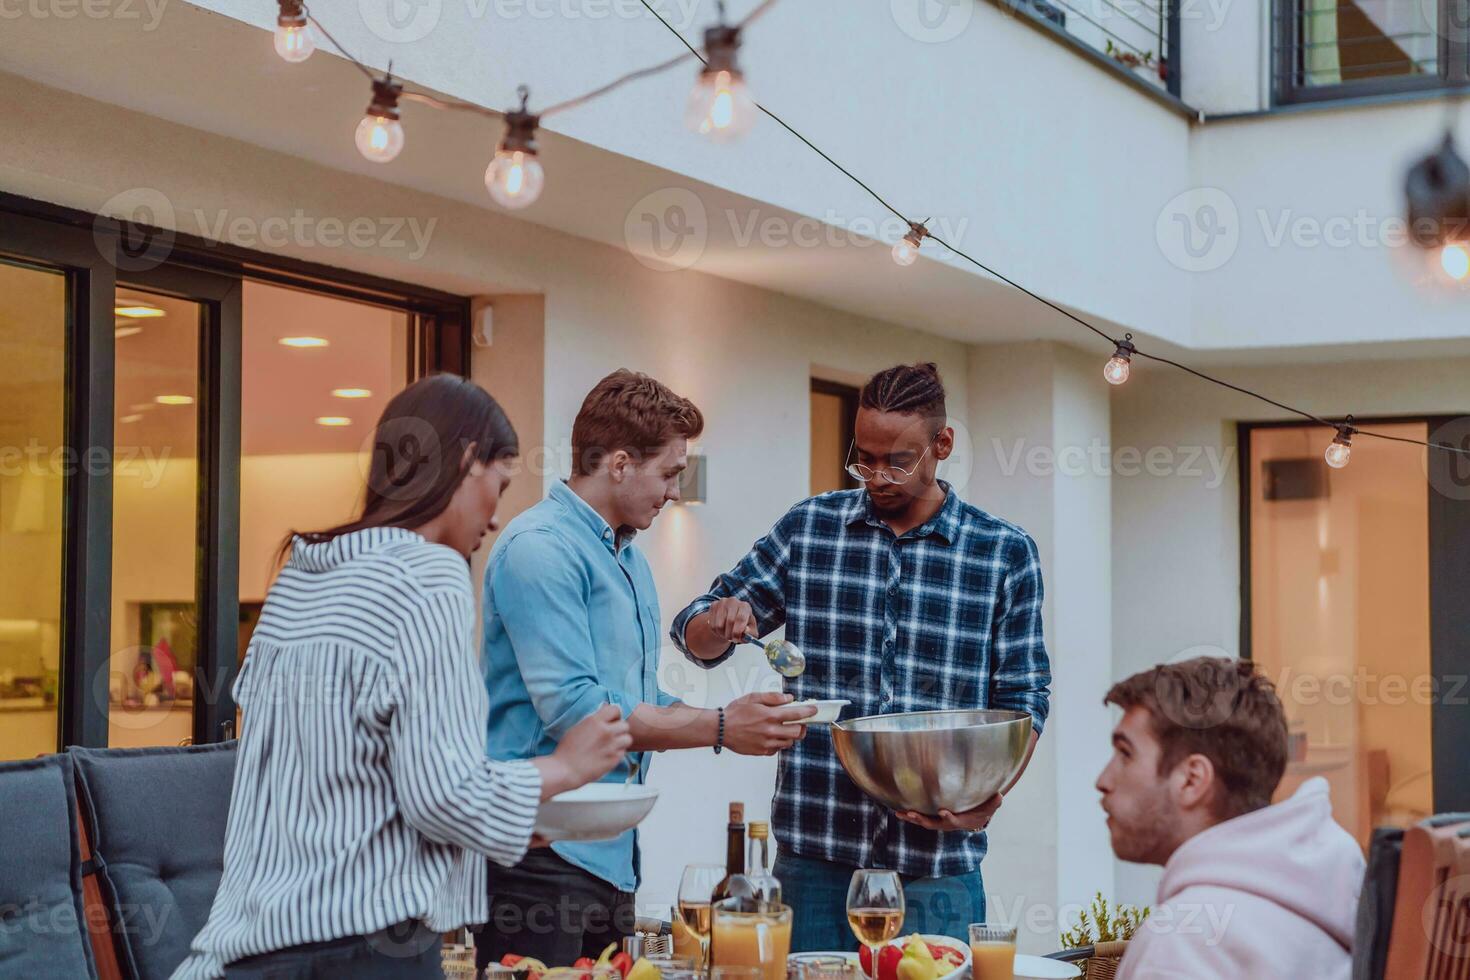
[933, 760]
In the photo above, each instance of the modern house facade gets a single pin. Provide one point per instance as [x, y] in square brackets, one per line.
[203, 280]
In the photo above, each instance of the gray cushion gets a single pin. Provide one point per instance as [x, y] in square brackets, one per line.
[42, 922]
[158, 830]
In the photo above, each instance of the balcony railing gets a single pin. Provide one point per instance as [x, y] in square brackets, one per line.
[1140, 37]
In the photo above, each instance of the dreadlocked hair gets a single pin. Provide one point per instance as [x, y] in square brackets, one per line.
[908, 389]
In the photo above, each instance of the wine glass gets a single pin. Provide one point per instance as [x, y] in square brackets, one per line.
[696, 888]
[875, 908]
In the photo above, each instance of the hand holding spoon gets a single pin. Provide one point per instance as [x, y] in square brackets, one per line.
[784, 656]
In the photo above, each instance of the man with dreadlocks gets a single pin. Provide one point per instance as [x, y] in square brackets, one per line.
[903, 598]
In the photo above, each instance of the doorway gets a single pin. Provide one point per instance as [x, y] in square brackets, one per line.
[1340, 572]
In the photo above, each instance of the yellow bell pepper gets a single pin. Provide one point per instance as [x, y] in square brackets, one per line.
[644, 970]
[607, 954]
[917, 963]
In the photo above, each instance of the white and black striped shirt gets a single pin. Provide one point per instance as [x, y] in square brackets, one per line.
[363, 796]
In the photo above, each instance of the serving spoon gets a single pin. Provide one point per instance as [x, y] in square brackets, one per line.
[784, 656]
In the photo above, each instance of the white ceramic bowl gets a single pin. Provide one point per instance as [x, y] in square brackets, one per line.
[1041, 968]
[597, 811]
[827, 712]
[959, 973]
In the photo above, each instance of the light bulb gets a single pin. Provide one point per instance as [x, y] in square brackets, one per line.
[1454, 259]
[1120, 365]
[380, 134]
[905, 253]
[514, 178]
[294, 42]
[1341, 448]
[379, 138]
[720, 106]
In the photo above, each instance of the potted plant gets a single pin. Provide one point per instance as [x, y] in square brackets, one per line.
[1104, 930]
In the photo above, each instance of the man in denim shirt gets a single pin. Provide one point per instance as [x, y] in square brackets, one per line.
[571, 624]
[903, 598]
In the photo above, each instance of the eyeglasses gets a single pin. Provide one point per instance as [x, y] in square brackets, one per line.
[893, 475]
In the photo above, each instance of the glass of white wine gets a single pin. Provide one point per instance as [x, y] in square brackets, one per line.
[692, 928]
[875, 908]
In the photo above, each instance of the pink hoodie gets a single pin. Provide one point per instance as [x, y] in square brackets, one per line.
[1270, 895]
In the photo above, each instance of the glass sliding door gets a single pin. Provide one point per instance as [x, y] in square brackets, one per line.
[122, 573]
[33, 469]
[1340, 616]
[155, 608]
[316, 372]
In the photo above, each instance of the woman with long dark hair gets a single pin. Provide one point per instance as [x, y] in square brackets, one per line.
[363, 801]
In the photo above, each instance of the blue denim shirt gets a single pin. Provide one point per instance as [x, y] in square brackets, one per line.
[571, 623]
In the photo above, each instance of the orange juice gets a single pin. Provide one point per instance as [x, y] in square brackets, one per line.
[759, 939]
[993, 961]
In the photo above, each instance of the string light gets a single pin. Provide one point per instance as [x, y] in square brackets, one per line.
[906, 249]
[380, 134]
[720, 107]
[1438, 187]
[1454, 259]
[1341, 448]
[293, 39]
[1120, 365]
[515, 178]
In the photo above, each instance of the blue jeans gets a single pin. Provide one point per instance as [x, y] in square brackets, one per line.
[817, 894]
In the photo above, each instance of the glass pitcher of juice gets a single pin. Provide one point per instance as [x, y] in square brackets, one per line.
[751, 938]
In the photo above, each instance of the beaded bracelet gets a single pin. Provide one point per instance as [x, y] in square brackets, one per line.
[720, 737]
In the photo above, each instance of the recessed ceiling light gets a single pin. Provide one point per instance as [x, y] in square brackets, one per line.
[175, 399]
[303, 342]
[352, 393]
[128, 419]
[333, 420]
[122, 332]
[138, 311]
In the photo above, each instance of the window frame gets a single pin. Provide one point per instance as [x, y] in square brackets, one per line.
[85, 247]
[1452, 59]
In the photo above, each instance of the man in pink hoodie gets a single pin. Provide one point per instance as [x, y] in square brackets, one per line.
[1251, 890]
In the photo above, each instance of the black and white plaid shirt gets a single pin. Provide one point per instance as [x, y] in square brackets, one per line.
[947, 616]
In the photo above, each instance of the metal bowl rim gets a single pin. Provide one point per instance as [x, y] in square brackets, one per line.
[1018, 716]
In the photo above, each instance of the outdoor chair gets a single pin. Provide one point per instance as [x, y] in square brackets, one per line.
[155, 819]
[1375, 904]
[1098, 962]
[42, 919]
[1430, 932]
